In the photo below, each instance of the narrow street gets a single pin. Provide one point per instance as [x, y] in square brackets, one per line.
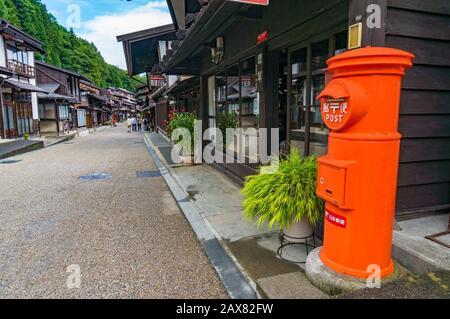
[125, 233]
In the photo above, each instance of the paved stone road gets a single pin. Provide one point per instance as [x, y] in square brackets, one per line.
[126, 234]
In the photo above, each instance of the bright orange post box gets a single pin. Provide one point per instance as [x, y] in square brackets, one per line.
[358, 177]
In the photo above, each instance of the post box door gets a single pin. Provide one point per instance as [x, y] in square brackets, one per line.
[332, 181]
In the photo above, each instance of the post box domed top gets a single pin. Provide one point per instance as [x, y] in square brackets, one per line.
[371, 60]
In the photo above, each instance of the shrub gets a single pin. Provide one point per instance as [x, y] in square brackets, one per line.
[285, 196]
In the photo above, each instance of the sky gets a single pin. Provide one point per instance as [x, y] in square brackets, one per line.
[100, 21]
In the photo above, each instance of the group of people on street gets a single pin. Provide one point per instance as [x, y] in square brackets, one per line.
[137, 124]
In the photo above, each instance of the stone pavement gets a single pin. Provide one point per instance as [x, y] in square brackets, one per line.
[125, 234]
[218, 201]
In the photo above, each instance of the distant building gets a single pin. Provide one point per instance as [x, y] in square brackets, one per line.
[123, 103]
[95, 103]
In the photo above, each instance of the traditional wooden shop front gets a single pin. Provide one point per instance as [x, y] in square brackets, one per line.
[54, 109]
[61, 105]
[94, 102]
[267, 64]
[18, 103]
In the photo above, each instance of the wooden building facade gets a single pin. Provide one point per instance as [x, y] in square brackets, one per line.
[60, 105]
[267, 64]
[18, 101]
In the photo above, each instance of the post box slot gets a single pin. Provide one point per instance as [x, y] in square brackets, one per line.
[332, 184]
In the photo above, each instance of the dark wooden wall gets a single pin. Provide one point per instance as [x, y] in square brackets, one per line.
[423, 28]
[312, 20]
[46, 75]
[162, 109]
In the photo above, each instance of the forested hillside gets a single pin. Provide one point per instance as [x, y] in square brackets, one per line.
[64, 48]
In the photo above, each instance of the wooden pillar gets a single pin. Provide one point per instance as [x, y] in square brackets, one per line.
[375, 37]
[57, 117]
[2, 131]
[269, 96]
[204, 107]
[309, 101]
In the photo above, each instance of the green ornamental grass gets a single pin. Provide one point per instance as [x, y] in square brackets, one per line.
[284, 196]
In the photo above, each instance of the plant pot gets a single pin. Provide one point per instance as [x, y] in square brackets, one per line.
[188, 160]
[298, 231]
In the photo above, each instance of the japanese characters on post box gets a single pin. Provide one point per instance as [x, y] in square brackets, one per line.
[335, 112]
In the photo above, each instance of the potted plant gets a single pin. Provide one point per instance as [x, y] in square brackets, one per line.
[186, 121]
[285, 197]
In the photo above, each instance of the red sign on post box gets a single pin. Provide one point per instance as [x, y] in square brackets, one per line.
[259, 2]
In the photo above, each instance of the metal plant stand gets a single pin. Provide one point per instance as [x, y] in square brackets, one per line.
[287, 241]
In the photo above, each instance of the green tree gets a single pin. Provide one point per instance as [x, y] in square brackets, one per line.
[63, 47]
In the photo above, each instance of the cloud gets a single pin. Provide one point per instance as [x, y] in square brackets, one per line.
[102, 30]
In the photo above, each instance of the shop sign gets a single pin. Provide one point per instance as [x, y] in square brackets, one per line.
[336, 220]
[258, 2]
[260, 71]
[262, 37]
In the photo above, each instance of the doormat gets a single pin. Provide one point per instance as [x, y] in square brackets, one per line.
[95, 177]
[148, 174]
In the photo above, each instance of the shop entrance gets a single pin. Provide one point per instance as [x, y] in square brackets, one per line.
[24, 113]
[9, 122]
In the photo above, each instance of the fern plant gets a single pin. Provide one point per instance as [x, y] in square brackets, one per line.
[286, 195]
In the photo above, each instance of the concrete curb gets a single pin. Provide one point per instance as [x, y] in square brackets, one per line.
[64, 139]
[234, 281]
[37, 145]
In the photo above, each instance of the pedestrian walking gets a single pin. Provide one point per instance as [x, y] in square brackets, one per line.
[139, 123]
[130, 124]
[134, 123]
[67, 127]
[145, 124]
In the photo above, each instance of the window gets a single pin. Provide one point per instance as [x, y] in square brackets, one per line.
[318, 130]
[41, 111]
[63, 112]
[249, 96]
[298, 99]
[49, 112]
[81, 115]
[14, 53]
[236, 99]
[233, 90]
[307, 130]
[221, 93]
